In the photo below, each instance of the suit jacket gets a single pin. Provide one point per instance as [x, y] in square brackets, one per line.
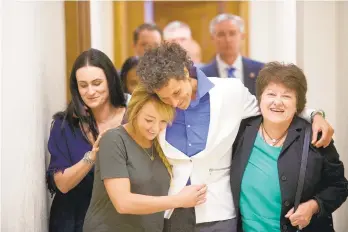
[324, 180]
[211, 166]
[251, 69]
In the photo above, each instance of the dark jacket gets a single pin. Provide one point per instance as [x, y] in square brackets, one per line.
[251, 69]
[324, 179]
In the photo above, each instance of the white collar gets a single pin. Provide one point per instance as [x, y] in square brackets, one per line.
[223, 66]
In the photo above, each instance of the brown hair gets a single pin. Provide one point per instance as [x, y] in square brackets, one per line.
[289, 75]
[140, 97]
[143, 27]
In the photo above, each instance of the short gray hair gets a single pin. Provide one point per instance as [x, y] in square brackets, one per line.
[160, 64]
[223, 17]
[172, 26]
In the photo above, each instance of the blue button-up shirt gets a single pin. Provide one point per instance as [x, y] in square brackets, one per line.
[189, 131]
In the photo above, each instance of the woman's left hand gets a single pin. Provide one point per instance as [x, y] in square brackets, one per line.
[303, 215]
[321, 125]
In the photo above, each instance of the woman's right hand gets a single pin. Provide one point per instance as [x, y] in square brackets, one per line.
[192, 195]
[95, 147]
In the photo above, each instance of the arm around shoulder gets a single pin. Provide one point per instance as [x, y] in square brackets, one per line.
[250, 104]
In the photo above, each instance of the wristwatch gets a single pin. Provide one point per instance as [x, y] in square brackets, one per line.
[87, 158]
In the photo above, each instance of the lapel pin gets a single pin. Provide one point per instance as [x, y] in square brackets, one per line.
[252, 75]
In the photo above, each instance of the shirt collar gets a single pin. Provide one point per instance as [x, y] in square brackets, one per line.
[204, 85]
[223, 66]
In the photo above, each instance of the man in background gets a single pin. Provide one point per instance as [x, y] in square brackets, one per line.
[195, 52]
[227, 32]
[177, 32]
[146, 36]
[180, 33]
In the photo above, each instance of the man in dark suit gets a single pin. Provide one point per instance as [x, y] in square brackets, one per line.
[227, 32]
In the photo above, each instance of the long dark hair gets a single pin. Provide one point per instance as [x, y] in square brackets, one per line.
[130, 63]
[77, 112]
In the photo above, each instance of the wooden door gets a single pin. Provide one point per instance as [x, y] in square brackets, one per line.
[128, 15]
[77, 33]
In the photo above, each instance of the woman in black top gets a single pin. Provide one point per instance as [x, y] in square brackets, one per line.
[267, 157]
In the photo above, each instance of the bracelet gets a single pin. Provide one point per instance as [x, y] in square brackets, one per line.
[87, 159]
[321, 112]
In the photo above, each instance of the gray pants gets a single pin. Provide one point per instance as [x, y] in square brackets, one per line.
[184, 220]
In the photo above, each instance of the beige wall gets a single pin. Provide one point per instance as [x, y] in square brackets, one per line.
[272, 30]
[33, 87]
[323, 57]
[341, 95]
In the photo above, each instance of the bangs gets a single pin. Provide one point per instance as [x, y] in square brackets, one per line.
[167, 112]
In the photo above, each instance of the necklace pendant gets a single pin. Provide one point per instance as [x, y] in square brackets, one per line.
[152, 157]
[274, 140]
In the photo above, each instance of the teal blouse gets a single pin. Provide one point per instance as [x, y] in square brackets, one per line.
[260, 198]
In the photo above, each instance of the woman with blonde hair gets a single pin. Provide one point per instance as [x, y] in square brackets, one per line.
[132, 175]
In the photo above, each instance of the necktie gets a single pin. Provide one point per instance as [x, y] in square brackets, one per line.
[230, 72]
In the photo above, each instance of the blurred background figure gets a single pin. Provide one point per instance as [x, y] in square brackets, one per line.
[128, 74]
[227, 33]
[145, 36]
[179, 32]
[194, 51]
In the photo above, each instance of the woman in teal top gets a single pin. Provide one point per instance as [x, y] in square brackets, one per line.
[267, 157]
[263, 157]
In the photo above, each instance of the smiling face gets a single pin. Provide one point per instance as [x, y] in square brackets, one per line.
[150, 122]
[92, 86]
[278, 103]
[177, 93]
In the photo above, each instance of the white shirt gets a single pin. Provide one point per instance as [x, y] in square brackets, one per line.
[238, 65]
